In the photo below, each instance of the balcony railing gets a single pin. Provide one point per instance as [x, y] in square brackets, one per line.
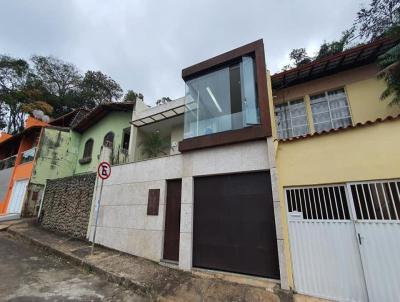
[8, 162]
[28, 155]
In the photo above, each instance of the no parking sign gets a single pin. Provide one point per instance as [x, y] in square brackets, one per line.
[104, 172]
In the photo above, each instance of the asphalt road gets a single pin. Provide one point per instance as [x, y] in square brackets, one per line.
[29, 274]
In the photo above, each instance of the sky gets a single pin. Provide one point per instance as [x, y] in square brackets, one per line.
[145, 44]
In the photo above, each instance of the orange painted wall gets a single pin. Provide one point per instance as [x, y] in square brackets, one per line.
[21, 171]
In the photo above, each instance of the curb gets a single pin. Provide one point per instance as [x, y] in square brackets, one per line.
[86, 265]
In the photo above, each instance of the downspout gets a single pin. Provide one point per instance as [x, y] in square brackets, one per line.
[41, 202]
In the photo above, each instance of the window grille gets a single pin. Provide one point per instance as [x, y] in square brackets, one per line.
[322, 203]
[376, 200]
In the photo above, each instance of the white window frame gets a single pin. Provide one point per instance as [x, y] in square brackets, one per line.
[331, 119]
[289, 103]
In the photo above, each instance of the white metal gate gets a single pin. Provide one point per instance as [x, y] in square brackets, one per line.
[17, 197]
[345, 240]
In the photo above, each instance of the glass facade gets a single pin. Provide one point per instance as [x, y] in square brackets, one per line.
[222, 100]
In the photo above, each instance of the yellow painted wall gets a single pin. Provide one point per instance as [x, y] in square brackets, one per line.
[357, 154]
[365, 102]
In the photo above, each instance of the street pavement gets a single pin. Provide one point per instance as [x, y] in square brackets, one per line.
[29, 274]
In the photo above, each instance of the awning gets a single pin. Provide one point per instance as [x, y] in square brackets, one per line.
[159, 116]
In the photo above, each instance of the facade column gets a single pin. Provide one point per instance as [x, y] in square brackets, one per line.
[278, 208]
[186, 231]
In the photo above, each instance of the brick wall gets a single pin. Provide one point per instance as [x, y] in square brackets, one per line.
[67, 203]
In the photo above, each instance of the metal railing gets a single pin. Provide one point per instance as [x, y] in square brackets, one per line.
[8, 162]
[28, 155]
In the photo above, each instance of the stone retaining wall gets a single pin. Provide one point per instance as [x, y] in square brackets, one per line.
[67, 203]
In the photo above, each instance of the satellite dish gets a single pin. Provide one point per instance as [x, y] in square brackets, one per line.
[38, 114]
[45, 118]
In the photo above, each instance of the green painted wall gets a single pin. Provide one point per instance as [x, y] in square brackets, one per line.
[57, 156]
[114, 121]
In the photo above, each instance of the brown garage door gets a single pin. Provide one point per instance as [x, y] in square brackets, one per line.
[234, 227]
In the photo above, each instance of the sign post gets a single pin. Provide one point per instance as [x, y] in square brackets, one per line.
[104, 172]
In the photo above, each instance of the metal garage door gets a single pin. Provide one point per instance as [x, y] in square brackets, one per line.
[234, 226]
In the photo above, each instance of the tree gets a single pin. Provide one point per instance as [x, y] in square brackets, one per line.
[37, 105]
[299, 56]
[154, 145]
[59, 82]
[389, 64]
[15, 90]
[132, 96]
[57, 76]
[163, 101]
[374, 21]
[334, 47]
[97, 88]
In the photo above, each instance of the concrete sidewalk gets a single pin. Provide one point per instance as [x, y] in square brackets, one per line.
[158, 282]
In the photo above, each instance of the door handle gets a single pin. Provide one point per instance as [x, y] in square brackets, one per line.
[359, 238]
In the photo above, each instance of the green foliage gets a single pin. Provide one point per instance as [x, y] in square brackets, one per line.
[389, 64]
[299, 56]
[154, 145]
[132, 96]
[378, 18]
[51, 85]
[97, 88]
[163, 100]
[334, 47]
[38, 105]
[16, 88]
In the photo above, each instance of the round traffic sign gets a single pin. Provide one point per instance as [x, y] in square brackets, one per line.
[104, 170]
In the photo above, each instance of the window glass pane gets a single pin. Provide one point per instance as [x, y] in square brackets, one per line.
[341, 123]
[330, 110]
[302, 130]
[340, 113]
[322, 126]
[321, 117]
[291, 119]
[221, 100]
[299, 121]
[249, 92]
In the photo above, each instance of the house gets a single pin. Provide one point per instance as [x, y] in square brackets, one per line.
[68, 160]
[68, 145]
[17, 154]
[338, 165]
[200, 190]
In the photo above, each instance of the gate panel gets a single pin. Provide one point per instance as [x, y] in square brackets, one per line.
[377, 210]
[325, 256]
[17, 197]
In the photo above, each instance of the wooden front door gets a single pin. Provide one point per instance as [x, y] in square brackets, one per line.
[172, 220]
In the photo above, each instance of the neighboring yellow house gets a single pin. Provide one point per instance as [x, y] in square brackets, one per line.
[338, 160]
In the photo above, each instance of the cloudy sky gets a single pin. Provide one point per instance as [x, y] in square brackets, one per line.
[144, 44]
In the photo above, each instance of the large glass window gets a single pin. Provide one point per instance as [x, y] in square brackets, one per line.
[291, 119]
[222, 100]
[330, 110]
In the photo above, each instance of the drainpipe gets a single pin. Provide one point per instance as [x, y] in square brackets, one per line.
[41, 202]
